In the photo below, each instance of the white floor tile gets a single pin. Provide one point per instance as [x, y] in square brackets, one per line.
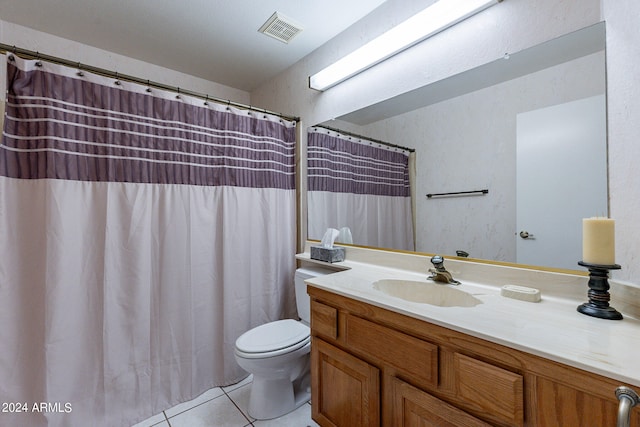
[301, 417]
[204, 397]
[240, 396]
[218, 412]
[153, 421]
[214, 408]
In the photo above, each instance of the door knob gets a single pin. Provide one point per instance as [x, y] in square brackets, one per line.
[526, 235]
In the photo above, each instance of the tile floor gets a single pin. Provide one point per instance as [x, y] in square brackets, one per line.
[224, 407]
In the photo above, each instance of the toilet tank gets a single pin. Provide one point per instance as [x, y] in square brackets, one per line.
[303, 302]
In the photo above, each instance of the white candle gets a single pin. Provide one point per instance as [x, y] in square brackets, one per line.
[598, 241]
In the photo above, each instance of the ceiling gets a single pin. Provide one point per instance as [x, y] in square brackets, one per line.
[217, 40]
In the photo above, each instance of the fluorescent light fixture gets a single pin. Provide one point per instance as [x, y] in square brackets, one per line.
[437, 17]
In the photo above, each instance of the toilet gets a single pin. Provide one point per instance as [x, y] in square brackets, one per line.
[277, 354]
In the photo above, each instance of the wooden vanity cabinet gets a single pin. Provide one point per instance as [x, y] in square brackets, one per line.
[375, 367]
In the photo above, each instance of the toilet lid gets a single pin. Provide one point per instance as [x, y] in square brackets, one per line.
[273, 336]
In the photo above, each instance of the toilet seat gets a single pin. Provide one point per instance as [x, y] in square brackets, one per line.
[273, 339]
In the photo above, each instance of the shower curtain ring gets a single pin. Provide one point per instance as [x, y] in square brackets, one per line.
[79, 73]
[148, 86]
[206, 100]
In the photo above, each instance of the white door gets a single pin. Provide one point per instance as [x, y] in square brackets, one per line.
[561, 174]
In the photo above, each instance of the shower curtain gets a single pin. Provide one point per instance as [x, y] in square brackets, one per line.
[141, 233]
[361, 185]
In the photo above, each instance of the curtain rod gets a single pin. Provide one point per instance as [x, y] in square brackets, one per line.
[5, 48]
[377, 141]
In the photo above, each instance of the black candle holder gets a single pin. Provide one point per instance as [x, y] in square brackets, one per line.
[598, 305]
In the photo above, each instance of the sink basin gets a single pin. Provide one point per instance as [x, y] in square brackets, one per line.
[426, 293]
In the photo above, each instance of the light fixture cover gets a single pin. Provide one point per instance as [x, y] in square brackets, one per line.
[437, 17]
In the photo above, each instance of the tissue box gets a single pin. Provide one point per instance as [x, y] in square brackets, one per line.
[327, 254]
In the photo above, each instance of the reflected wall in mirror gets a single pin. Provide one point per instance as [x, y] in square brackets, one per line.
[464, 132]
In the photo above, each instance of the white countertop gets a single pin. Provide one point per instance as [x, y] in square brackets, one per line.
[551, 328]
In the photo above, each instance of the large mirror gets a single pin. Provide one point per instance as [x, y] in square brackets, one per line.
[472, 132]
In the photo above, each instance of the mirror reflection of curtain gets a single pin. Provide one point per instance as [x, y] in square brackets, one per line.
[141, 235]
[359, 184]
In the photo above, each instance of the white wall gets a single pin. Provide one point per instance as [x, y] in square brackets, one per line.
[623, 109]
[27, 38]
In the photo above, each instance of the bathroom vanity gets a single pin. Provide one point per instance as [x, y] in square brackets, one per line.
[384, 360]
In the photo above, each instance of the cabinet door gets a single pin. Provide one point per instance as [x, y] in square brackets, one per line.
[345, 391]
[559, 405]
[413, 407]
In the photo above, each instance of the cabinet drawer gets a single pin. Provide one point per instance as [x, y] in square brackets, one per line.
[406, 354]
[324, 320]
[489, 389]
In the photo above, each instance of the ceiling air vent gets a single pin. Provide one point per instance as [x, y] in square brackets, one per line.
[280, 27]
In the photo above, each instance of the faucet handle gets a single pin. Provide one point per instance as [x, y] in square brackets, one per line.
[437, 261]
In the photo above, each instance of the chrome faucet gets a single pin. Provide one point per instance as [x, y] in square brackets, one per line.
[439, 273]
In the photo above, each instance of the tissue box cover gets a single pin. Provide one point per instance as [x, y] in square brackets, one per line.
[327, 254]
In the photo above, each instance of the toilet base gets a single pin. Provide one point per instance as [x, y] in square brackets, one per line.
[273, 398]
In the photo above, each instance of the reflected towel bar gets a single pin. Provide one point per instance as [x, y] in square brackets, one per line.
[457, 193]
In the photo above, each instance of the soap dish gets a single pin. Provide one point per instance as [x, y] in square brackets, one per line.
[520, 292]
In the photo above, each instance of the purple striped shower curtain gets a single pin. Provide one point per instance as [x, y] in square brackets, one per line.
[140, 234]
[361, 185]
